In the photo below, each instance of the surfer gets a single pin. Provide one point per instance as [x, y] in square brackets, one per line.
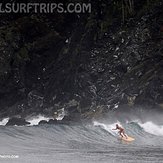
[121, 131]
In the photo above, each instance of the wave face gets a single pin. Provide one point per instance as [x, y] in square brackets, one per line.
[138, 127]
[95, 142]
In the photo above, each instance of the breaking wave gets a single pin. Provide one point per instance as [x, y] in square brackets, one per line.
[136, 126]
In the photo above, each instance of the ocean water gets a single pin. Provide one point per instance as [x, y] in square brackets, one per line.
[89, 143]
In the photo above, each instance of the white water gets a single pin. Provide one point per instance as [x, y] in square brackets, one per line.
[152, 128]
[4, 121]
[35, 120]
[148, 127]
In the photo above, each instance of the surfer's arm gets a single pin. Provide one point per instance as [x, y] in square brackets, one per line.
[114, 129]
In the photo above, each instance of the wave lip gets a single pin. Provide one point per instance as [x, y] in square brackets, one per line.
[138, 129]
[107, 127]
[152, 128]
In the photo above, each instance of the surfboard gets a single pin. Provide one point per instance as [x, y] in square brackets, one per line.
[128, 139]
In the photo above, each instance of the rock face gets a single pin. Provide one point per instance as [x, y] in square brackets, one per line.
[54, 122]
[42, 122]
[86, 63]
[51, 121]
[17, 121]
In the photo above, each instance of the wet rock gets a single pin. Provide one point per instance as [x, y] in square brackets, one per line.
[17, 121]
[52, 121]
[42, 122]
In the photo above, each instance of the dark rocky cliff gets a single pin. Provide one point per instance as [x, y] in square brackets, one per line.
[87, 63]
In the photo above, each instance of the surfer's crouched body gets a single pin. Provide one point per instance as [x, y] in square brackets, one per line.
[121, 131]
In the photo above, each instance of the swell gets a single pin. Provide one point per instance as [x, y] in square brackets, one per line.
[97, 134]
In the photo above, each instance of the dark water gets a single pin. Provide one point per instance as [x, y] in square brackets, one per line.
[86, 143]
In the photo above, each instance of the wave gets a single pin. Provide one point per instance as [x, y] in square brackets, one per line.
[98, 134]
[134, 127]
[106, 127]
[63, 141]
[152, 128]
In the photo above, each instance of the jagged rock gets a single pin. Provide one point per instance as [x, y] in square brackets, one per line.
[52, 121]
[43, 122]
[17, 121]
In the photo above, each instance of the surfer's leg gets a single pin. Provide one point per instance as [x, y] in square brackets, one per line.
[120, 133]
[124, 134]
